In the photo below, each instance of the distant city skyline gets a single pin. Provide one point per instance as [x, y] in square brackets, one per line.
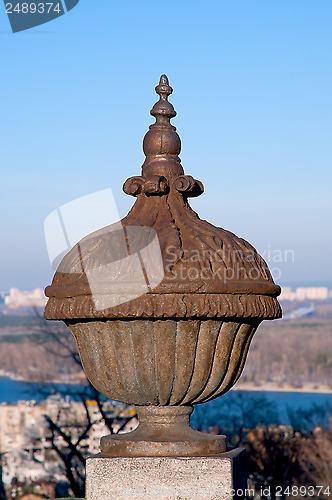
[252, 88]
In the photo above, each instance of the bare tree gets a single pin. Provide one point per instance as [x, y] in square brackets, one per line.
[68, 433]
[273, 459]
[315, 458]
[236, 414]
[2, 487]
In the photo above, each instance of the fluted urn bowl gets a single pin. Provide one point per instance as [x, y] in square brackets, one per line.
[174, 329]
[163, 362]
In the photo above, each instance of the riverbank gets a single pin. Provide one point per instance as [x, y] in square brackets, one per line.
[79, 379]
[308, 387]
[276, 387]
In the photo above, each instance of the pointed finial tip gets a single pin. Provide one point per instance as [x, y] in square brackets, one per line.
[163, 80]
[164, 89]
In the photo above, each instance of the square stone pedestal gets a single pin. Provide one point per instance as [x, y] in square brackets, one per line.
[218, 477]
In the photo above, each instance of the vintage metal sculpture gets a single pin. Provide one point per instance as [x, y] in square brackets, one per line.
[185, 340]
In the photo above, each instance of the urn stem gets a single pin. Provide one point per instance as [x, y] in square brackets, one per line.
[163, 431]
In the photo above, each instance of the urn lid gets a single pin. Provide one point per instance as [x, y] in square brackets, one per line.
[162, 260]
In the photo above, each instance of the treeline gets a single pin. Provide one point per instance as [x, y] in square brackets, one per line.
[285, 461]
[40, 353]
[294, 352]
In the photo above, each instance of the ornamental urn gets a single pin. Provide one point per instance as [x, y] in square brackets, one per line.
[163, 305]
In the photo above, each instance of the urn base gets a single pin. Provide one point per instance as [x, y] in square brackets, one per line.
[163, 431]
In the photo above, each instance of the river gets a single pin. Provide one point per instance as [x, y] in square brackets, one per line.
[253, 406]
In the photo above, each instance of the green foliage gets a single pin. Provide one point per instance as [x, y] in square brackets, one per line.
[20, 339]
[321, 358]
[26, 321]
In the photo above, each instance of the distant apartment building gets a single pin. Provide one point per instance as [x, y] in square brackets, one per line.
[25, 437]
[21, 431]
[25, 298]
[305, 293]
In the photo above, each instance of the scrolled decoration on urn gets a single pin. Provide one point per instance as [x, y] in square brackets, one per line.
[156, 184]
[134, 185]
[188, 186]
[176, 331]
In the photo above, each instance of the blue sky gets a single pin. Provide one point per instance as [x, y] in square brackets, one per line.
[252, 86]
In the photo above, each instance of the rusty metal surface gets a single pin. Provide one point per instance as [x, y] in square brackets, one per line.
[186, 340]
[208, 271]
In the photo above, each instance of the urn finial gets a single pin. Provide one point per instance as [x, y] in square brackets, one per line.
[163, 108]
[162, 170]
[161, 143]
